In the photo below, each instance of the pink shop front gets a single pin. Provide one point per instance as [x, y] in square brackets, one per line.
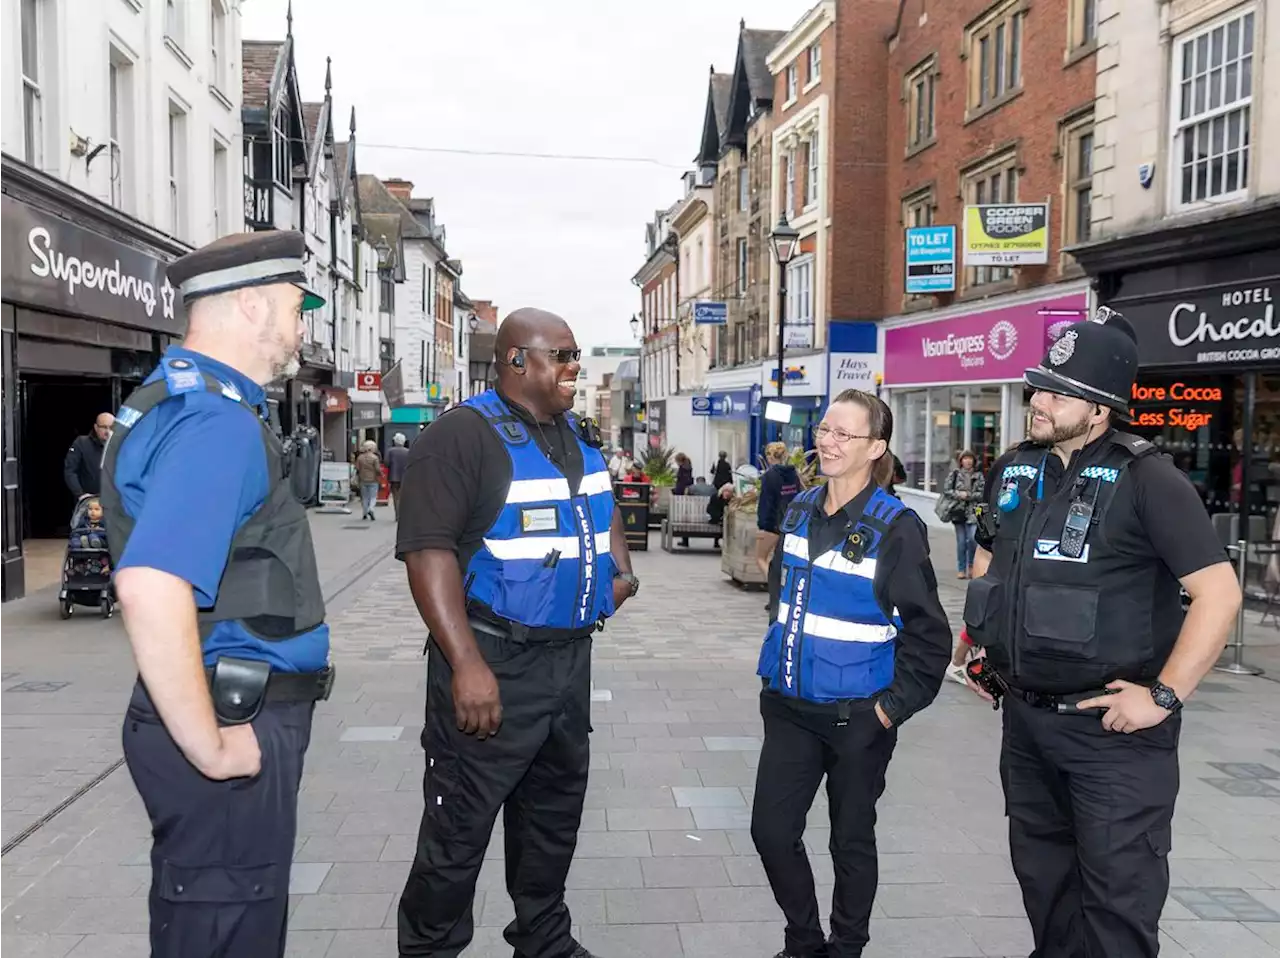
[953, 378]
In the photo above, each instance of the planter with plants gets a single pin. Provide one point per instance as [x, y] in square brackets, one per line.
[658, 466]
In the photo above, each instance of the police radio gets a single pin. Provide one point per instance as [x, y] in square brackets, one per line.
[1075, 529]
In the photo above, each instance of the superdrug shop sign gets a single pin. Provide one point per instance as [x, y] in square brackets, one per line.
[1215, 326]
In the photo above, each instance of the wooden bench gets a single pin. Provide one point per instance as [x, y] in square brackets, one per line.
[687, 518]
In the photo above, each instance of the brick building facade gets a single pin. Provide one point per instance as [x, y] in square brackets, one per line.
[989, 103]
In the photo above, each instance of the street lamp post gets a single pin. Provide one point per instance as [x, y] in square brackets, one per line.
[784, 239]
[638, 333]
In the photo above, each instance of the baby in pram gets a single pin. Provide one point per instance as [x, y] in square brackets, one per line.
[89, 534]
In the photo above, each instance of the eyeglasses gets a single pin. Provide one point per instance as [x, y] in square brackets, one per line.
[561, 356]
[839, 435]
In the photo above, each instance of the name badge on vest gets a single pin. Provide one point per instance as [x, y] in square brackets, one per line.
[538, 520]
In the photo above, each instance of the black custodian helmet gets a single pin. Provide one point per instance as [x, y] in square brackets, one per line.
[1095, 360]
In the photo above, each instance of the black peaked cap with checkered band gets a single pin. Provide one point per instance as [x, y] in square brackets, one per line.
[1095, 360]
[245, 259]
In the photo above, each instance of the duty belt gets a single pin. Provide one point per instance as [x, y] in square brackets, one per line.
[1061, 702]
[241, 687]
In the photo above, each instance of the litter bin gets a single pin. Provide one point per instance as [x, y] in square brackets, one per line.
[633, 503]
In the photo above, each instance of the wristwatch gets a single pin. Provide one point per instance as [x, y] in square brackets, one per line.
[1165, 697]
[630, 580]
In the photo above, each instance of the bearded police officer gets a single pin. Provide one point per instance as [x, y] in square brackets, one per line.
[1087, 535]
[860, 644]
[515, 555]
[216, 577]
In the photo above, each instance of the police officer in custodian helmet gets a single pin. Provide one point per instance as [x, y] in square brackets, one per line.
[1087, 535]
[216, 576]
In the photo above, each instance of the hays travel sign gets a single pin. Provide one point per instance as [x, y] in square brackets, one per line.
[1217, 326]
[53, 264]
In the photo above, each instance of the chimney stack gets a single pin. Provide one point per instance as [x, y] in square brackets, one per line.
[400, 189]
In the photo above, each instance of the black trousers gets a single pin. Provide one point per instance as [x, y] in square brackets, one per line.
[1090, 828]
[536, 766]
[799, 748]
[221, 851]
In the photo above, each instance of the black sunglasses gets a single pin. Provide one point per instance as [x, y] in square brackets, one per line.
[561, 356]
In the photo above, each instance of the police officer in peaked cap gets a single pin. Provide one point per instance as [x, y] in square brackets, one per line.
[1086, 538]
[216, 577]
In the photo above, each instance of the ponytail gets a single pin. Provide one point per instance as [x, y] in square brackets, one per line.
[882, 471]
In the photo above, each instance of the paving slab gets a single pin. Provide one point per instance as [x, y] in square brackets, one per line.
[665, 865]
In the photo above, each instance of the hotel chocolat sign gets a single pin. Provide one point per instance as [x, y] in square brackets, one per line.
[51, 263]
[1218, 326]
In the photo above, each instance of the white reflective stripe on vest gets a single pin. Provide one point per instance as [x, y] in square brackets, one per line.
[538, 490]
[537, 547]
[796, 545]
[595, 483]
[825, 627]
[834, 561]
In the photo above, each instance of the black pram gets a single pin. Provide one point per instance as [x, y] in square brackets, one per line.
[86, 570]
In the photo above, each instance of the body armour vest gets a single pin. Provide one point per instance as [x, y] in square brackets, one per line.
[831, 641]
[270, 584]
[546, 562]
[1057, 619]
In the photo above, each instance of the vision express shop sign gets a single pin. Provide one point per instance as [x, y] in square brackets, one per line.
[1006, 234]
[1225, 325]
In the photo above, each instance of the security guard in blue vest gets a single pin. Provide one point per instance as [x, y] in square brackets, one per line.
[516, 556]
[217, 581]
[1085, 540]
[860, 643]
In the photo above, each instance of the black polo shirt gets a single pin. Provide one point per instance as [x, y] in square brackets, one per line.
[456, 480]
[1156, 514]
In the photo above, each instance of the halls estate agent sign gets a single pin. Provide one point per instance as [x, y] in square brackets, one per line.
[51, 263]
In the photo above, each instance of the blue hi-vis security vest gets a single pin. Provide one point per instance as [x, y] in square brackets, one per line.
[545, 563]
[831, 641]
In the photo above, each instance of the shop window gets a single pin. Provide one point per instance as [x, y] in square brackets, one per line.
[920, 93]
[1213, 109]
[1077, 150]
[993, 45]
[935, 425]
[994, 182]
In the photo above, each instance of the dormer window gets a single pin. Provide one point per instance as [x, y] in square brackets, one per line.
[282, 158]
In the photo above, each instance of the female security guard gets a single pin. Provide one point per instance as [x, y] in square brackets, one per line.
[860, 643]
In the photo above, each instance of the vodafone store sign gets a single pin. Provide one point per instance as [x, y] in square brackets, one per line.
[996, 345]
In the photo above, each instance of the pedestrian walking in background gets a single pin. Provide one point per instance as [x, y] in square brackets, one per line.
[723, 473]
[961, 493]
[82, 468]
[368, 477]
[397, 459]
[684, 474]
[778, 486]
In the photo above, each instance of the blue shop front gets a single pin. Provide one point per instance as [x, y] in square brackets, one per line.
[804, 389]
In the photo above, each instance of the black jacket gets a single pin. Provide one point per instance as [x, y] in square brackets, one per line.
[82, 469]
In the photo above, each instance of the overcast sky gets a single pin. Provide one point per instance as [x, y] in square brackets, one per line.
[596, 77]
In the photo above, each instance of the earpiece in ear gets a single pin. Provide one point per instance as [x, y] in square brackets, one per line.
[517, 361]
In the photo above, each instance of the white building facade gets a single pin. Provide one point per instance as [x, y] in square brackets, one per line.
[119, 126]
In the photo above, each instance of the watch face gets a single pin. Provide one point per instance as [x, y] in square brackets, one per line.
[1165, 697]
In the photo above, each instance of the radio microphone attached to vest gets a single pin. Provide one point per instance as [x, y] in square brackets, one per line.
[552, 559]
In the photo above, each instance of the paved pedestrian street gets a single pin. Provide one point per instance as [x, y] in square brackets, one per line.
[665, 865]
